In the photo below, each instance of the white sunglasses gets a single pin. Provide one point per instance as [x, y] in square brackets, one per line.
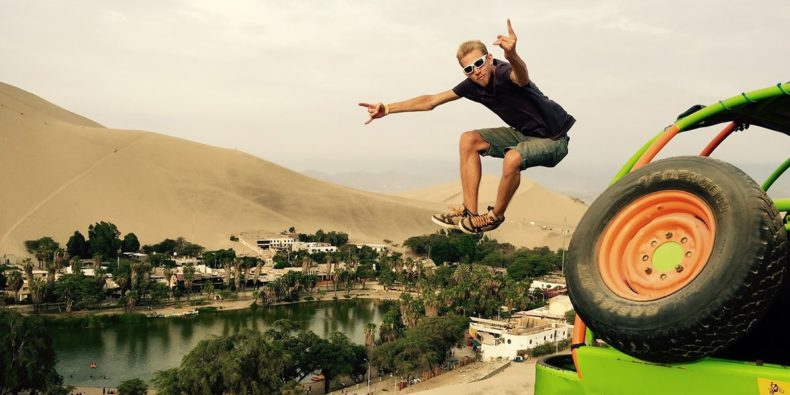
[475, 65]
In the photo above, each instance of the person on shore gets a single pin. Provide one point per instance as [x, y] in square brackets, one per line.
[536, 133]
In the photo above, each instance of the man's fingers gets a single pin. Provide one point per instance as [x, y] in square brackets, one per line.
[510, 30]
[370, 119]
[365, 105]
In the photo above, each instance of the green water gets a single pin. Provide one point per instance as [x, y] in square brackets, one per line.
[125, 351]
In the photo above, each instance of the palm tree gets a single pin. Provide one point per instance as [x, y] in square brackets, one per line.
[37, 289]
[50, 265]
[189, 275]
[145, 270]
[27, 264]
[76, 265]
[60, 258]
[409, 310]
[370, 335]
[99, 276]
[168, 272]
[131, 299]
[15, 281]
[134, 274]
[208, 288]
[431, 299]
[41, 256]
[227, 264]
[237, 270]
[97, 260]
[259, 265]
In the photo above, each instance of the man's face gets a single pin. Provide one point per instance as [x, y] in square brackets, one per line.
[479, 75]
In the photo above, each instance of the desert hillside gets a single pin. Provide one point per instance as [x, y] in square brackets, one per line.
[536, 216]
[61, 172]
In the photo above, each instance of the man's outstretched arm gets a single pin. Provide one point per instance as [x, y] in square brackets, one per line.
[419, 103]
[519, 74]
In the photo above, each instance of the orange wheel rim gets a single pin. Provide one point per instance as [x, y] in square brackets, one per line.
[656, 245]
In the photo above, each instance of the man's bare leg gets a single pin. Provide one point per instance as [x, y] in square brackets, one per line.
[508, 184]
[470, 147]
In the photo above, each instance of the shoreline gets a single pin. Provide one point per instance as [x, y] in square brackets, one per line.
[243, 301]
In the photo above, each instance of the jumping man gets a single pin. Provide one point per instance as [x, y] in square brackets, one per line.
[536, 135]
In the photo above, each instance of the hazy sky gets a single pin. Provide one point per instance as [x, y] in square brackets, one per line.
[281, 80]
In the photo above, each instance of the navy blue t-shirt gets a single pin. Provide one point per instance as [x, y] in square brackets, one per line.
[525, 108]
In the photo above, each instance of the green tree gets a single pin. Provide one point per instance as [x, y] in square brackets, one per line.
[130, 243]
[37, 292]
[77, 290]
[339, 356]
[15, 282]
[103, 240]
[42, 249]
[166, 382]
[189, 277]
[133, 387]
[370, 335]
[77, 246]
[185, 248]
[423, 347]
[27, 356]
[246, 363]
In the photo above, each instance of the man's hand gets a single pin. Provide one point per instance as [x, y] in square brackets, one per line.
[375, 111]
[507, 43]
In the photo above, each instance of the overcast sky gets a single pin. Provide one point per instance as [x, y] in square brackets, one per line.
[281, 80]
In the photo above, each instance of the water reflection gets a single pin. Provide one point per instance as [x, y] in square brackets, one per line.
[137, 350]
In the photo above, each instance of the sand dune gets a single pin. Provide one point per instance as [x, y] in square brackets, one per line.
[61, 172]
[536, 216]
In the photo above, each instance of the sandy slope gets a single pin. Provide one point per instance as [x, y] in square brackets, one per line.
[536, 216]
[61, 172]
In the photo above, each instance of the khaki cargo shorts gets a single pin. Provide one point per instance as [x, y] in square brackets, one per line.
[535, 151]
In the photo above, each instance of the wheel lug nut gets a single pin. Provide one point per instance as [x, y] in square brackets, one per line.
[648, 271]
[653, 243]
[684, 240]
[645, 258]
[679, 268]
[668, 235]
[688, 254]
[663, 276]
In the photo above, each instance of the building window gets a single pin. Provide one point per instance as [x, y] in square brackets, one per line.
[508, 341]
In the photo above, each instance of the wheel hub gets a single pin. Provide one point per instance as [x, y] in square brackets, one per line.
[656, 245]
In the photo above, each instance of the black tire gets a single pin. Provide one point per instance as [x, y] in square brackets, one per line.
[765, 342]
[730, 294]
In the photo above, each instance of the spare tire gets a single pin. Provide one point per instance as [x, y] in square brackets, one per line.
[676, 260]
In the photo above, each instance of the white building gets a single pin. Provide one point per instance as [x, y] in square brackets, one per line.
[501, 339]
[376, 247]
[277, 243]
[313, 247]
[555, 309]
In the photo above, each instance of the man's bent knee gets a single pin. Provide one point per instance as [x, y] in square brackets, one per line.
[512, 162]
[472, 141]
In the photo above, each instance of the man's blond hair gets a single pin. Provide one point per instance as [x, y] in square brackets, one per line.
[468, 46]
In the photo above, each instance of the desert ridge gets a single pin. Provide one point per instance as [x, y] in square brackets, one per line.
[61, 172]
[536, 216]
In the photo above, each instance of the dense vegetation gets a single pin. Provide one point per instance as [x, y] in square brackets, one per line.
[447, 277]
[27, 357]
[262, 363]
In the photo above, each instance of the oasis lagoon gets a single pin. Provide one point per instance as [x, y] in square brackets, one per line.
[137, 350]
